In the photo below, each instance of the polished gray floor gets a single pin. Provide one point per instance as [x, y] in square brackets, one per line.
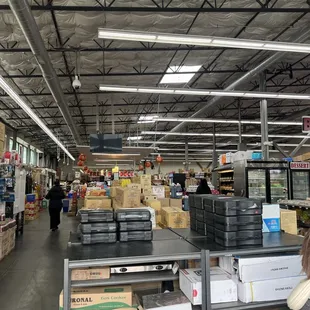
[31, 276]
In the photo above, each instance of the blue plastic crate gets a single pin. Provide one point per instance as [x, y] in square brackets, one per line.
[30, 198]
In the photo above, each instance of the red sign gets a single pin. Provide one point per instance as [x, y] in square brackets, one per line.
[300, 165]
[306, 124]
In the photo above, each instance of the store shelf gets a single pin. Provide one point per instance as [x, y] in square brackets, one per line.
[129, 278]
[255, 305]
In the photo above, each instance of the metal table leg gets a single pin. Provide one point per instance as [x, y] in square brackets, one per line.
[206, 280]
[67, 286]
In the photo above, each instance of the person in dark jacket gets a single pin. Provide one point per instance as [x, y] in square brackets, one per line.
[203, 187]
[55, 195]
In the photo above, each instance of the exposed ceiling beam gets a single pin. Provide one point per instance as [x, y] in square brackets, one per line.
[160, 9]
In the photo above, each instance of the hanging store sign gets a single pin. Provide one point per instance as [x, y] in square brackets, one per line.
[306, 124]
[300, 165]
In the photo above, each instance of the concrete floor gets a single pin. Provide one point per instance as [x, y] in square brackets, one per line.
[31, 277]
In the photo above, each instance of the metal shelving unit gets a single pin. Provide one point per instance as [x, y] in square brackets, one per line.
[169, 245]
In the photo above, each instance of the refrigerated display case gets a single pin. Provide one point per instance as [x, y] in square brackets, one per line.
[300, 180]
[264, 180]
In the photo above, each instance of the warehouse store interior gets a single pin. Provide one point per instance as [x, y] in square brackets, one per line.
[154, 154]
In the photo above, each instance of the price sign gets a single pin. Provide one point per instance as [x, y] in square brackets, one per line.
[300, 165]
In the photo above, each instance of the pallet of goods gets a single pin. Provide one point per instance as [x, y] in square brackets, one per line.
[7, 237]
[31, 208]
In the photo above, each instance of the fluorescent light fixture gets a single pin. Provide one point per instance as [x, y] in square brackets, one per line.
[198, 134]
[120, 154]
[14, 96]
[134, 138]
[157, 37]
[181, 76]
[204, 92]
[113, 160]
[223, 121]
[147, 119]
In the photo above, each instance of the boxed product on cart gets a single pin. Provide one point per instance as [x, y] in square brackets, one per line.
[99, 273]
[155, 205]
[223, 287]
[176, 203]
[267, 290]
[129, 197]
[97, 203]
[105, 298]
[165, 202]
[174, 217]
[263, 268]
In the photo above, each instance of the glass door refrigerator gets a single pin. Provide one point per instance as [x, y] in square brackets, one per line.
[267, 181]
[300, 180]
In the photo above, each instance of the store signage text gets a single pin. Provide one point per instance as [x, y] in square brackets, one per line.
[300, 165]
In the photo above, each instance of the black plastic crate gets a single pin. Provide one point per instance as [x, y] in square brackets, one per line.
[98, 238]
[135, 236]
[132, 215]
[209, 218]
[132, 226]
[91, 228]
[238, 206]
[96, 216]
[200, 215]
[236, 223]
[199, 201]
[239, 238]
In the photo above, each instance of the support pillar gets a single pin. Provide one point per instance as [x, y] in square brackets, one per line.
[14, 140]
[264, 117]
[214, 159]
[186, 166]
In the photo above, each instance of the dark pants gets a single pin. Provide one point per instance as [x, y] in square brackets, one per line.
[54, 216]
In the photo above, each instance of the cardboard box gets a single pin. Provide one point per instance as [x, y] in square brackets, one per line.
[263, 268]
[129, 197]
[150, 198]
[288, 221]
[156, 205]
[90, 274]
[97, 203]
[175, 203]
[165, 202]
[271, 218]
[113, 191]
[97, 192]
[158, 191]
[107, 298]
[174, 218]
[267, 290]
[223, 288]
[145, 180]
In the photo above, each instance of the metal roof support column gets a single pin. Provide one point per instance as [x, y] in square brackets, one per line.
[214, 159]
[186, 165]
[264, 117]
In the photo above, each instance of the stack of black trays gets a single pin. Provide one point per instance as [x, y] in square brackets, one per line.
[134, 225]
[196, 212]
[238, 222]
[97, 226]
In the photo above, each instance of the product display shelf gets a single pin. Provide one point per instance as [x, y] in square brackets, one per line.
[294, 203]
[170, 245]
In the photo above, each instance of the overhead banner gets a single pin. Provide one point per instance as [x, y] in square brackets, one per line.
[300, 165]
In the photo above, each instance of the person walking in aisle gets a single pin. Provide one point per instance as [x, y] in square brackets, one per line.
[203, 187]
[55, 195]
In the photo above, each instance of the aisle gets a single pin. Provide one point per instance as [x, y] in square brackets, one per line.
[31, 277]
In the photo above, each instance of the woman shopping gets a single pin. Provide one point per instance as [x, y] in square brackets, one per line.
[55, 195]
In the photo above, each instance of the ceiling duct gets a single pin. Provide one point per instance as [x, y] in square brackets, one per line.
[26, 21]
[258, 69]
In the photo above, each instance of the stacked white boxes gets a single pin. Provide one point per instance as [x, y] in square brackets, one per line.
[264, 278]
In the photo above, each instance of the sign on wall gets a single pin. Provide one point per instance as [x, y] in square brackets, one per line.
[300, 165]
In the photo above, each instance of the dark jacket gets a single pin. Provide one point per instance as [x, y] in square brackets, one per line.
[55, 195]
[203, 188]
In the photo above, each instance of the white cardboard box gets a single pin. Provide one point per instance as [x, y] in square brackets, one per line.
[263, 268]
[271, 218]
[153, 214]
[267, 290]
[223, 288]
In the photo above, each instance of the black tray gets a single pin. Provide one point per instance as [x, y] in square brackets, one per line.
[132, 226]
[192, 212]
[200, 215]
[199, 204]
[98, 238]
[238, 238]
[90, 228]
[238, 206]
[135, 236]
[236, 223]
[132, 215]
[208, 217]
[209, 202]
[96, 216]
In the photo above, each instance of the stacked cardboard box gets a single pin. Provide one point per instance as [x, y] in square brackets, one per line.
[7, 237]
[31, 211]
[155, 204]
[97, 202]
[174, 218]
[127, 197]
[146, 184]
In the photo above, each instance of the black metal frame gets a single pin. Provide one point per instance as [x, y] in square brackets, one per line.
[291, 174]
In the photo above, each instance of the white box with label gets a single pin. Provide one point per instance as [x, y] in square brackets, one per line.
[223, 287]
[263, 268]
[267, 290]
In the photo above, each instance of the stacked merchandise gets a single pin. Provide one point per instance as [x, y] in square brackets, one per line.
[134, 225]
[73, 204]
[174, 217]
[97, 226]
[176, 191]
[31, 208]
[264, 278]
[126, 197]
[230, 221]
[7, 185]
[7, 236]
[146, 184]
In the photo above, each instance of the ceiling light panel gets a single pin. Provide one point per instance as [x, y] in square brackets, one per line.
[179, 78]
[138, 36]
[204, 92]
